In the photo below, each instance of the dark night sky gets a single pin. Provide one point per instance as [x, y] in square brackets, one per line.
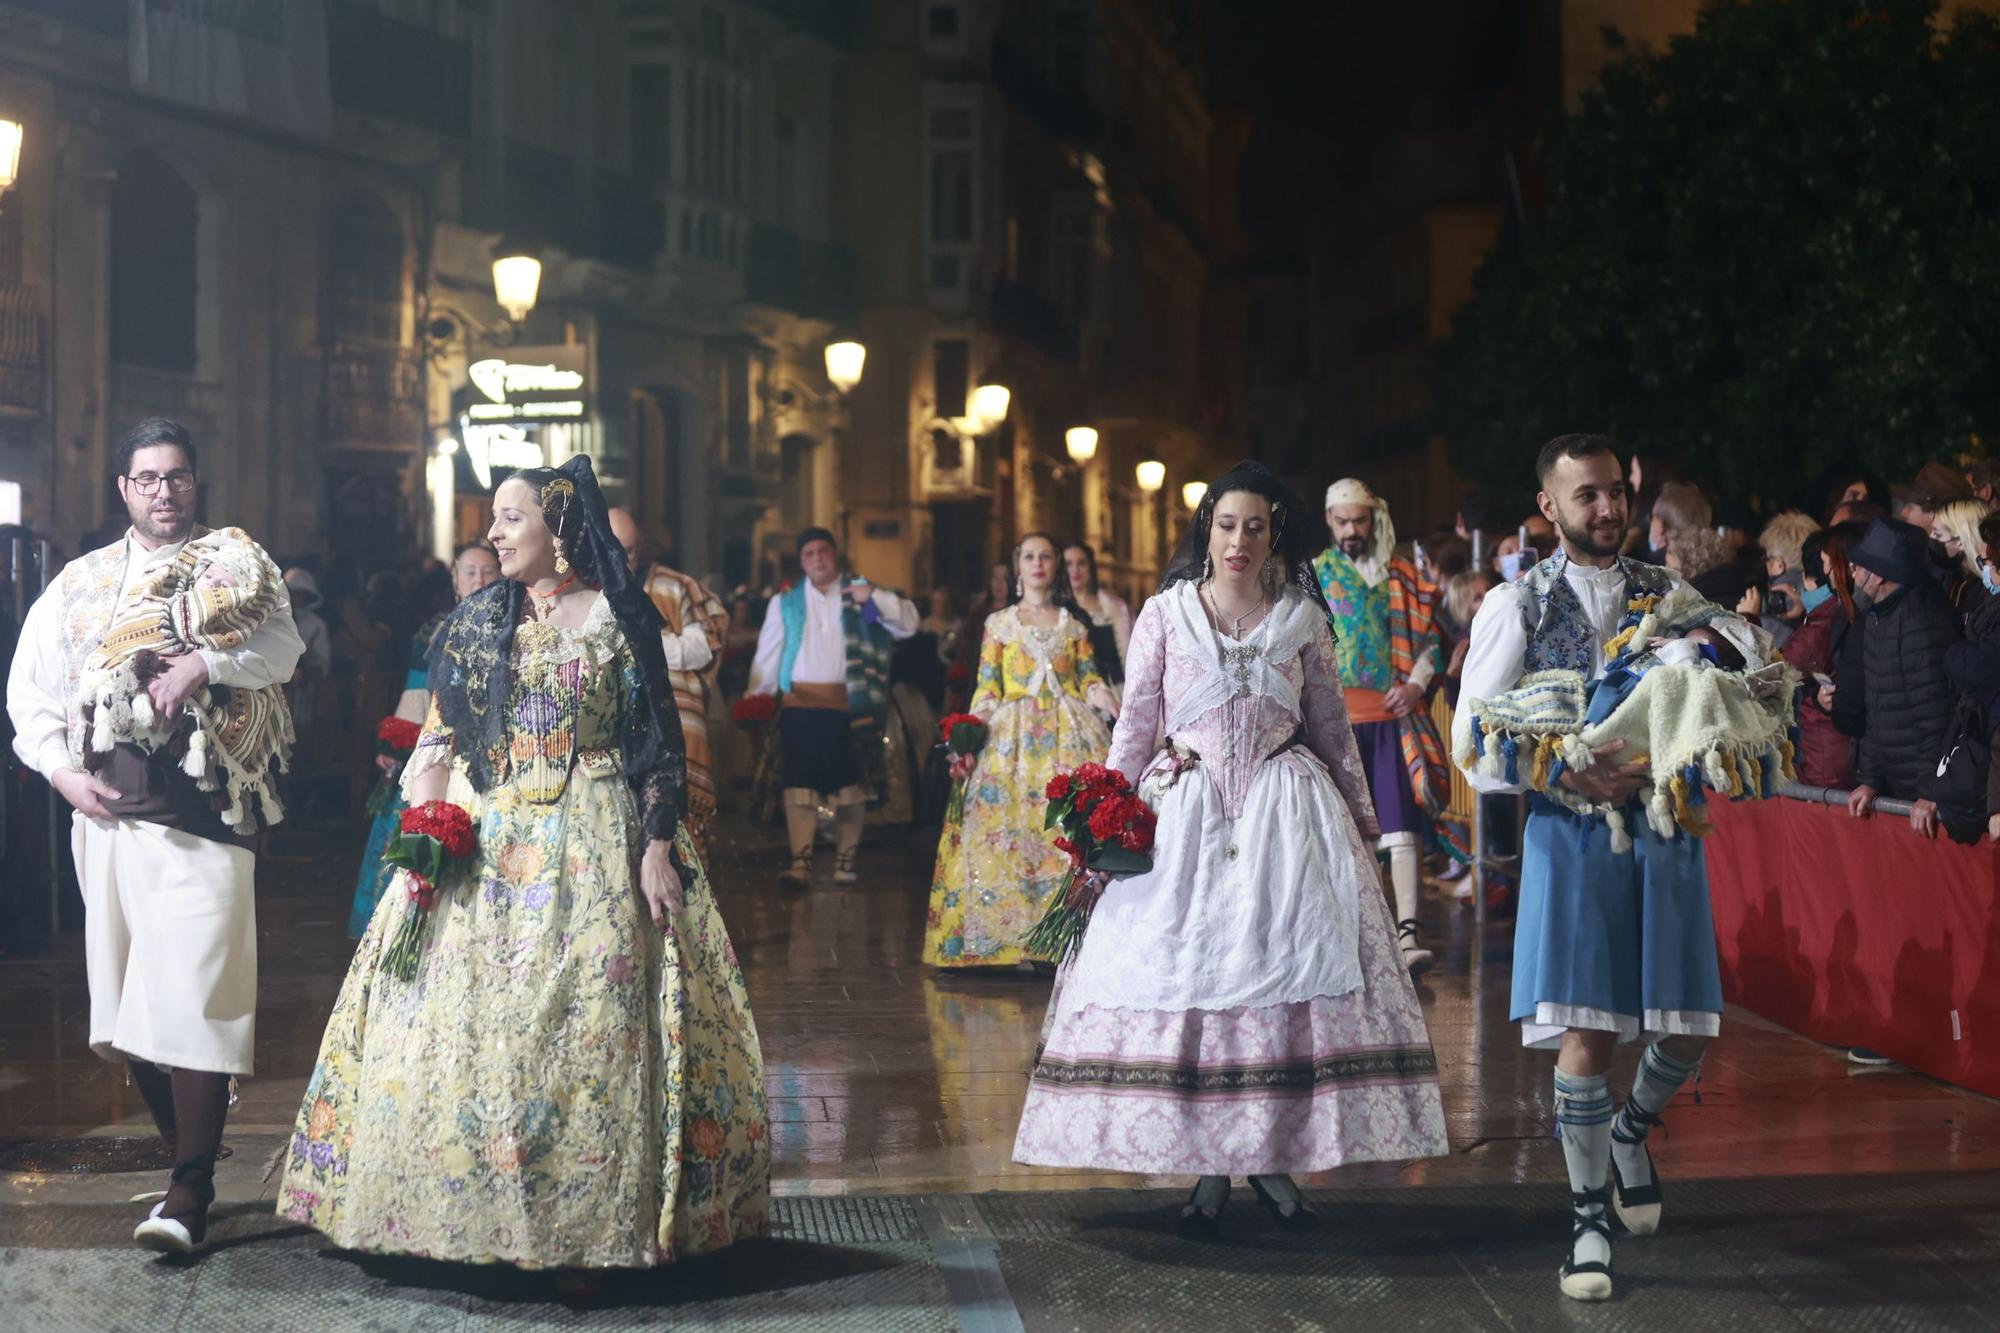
[1329, 83]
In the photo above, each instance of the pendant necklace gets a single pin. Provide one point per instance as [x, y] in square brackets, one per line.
[545, 603]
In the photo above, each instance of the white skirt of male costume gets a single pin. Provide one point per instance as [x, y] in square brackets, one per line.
[170, 944]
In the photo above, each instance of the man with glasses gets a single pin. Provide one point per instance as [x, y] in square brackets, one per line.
[170, 932]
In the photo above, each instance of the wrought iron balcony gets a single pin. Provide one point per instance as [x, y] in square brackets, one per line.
[22, 349]
[810, 278]
[374, 396]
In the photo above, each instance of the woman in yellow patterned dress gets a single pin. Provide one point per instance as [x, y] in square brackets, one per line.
[1037, 686]
[572, 1078]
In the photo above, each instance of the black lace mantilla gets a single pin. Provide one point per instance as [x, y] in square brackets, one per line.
[472, 674]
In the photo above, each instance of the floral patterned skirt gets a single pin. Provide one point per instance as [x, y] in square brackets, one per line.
[997, 866]
[1296, 1086]
[559, 1085]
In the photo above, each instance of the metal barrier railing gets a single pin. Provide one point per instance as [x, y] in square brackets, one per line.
[1799, 791]
[1484, 861]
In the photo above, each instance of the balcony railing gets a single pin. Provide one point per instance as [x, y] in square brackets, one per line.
[21, 349]
[382, 66]
[1024, 312]
[812, 278]
[139, 391]
[374, 396]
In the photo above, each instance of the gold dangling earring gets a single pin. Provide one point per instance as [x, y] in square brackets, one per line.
[562, 564]
[1207, 567]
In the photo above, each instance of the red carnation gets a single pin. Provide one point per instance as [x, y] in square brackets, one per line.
[446, 822]
[1107, 819]
[1058, 788]
[756, 708]
[1090, 775]
[398, 734]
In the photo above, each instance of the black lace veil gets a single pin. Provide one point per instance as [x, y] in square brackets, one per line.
[472, 659]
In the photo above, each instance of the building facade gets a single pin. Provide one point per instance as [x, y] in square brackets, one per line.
[1030, 189]
[278, 223]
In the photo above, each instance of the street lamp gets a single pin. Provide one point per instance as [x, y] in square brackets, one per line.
[1081, 441]
[517, 278]
[1193, 493]
[989, 406]
[1151, 475]
[11, 133]
[844, 361]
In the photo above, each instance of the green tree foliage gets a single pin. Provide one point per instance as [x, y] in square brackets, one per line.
[1770, 249]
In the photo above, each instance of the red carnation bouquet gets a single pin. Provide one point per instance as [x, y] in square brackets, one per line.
[1105, 827]
[753, 709]
[962, 734]
[433, 837]
[395, 738]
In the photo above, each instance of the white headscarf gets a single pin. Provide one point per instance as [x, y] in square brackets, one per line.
[1352, 491]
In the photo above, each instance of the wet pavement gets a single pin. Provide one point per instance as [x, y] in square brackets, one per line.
[1805, 1190]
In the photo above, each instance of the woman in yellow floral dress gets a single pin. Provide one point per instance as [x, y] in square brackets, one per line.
[1037, 687]
[572, 1078]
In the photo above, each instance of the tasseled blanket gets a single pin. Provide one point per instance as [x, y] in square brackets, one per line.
[214, 594]
[1703, 729]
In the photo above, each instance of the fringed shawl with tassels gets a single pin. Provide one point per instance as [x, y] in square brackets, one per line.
[1705, 730]
[213, 595]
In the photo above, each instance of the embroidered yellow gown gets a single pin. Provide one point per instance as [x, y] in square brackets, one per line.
[997, 865]
[560, 1085]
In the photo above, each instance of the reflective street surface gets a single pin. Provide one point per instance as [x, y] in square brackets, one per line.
[1801, 1189]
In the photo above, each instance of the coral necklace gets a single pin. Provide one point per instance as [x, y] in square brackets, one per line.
[545, 603]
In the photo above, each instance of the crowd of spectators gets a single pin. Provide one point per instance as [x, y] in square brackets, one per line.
[1886, 602]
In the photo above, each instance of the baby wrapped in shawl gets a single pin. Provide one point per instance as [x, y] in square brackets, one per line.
[1702, 727]
[214, 594]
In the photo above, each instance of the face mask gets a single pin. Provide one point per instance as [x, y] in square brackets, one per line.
[1814, 598]
[1510, 566]
[1986, 577]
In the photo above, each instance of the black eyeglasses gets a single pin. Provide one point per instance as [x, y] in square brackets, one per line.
[179, 481]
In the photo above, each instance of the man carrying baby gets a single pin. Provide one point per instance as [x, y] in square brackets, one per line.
[170, 931]
[1610, 946]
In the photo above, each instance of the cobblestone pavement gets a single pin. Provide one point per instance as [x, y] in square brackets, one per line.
[1802, 1191]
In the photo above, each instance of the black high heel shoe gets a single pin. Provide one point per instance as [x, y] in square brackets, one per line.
[1201, 1215]
[1300, 1218]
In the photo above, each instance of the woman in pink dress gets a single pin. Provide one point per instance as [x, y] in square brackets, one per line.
[1240, 1008]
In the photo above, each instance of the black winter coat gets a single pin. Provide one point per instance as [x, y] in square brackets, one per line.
[1910, 698]
[1974, 667]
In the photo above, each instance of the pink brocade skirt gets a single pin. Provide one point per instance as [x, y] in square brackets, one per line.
[1295, 1087]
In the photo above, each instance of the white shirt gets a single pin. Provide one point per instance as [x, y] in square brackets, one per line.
[688, 650]
[1498, 655]
[35, 702]
[822, 658]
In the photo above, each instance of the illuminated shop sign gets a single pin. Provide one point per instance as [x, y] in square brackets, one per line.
[530, 384]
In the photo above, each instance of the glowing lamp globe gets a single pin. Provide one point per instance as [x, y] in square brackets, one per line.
[517, 281]
[1081, 441]
[11, 134]
[844, 361]
[1151, 475]
[989, 405]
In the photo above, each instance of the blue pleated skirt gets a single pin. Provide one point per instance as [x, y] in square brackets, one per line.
[1622, 943]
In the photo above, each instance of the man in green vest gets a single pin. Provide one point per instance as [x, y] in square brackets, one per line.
[824, 651]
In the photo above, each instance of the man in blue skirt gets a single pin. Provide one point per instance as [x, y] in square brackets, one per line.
[1609, 946]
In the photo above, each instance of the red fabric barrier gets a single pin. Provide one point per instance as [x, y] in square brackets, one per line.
[1860, 932]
